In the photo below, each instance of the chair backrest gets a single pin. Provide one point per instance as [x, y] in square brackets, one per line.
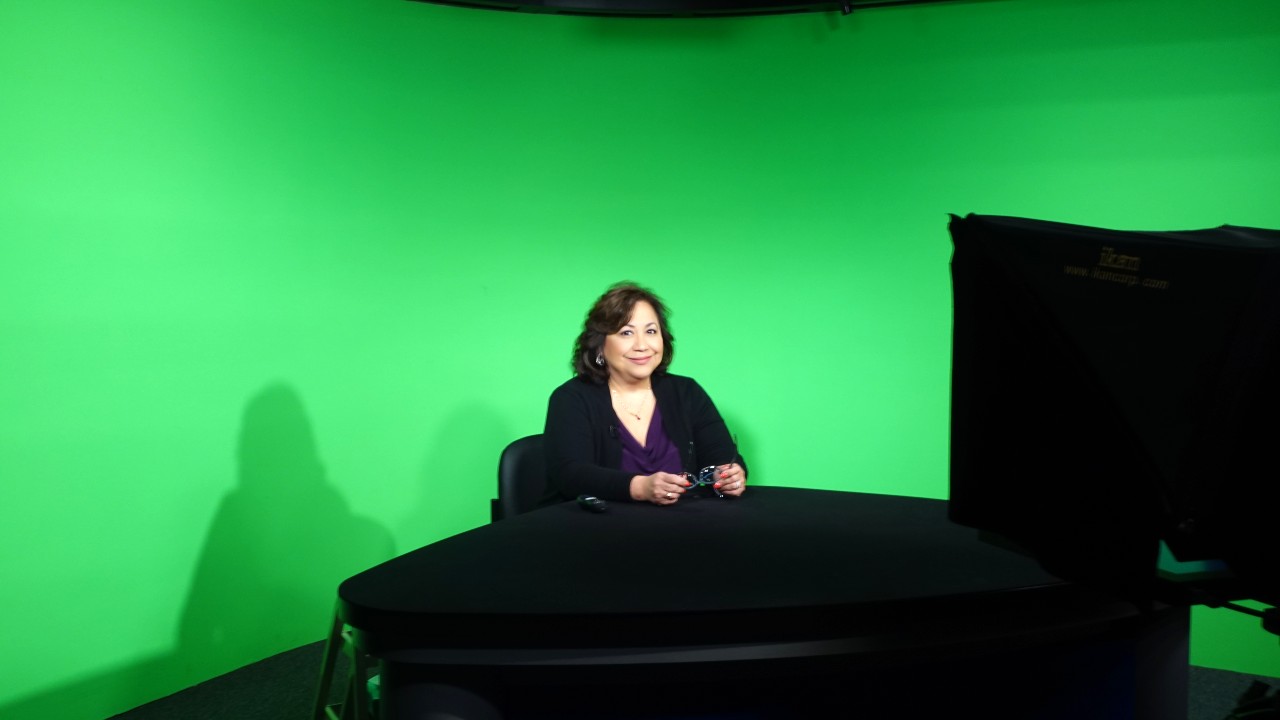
[522, 478]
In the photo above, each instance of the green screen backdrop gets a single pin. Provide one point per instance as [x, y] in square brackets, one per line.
[279, 279]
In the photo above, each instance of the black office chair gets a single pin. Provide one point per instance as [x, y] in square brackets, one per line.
[522, 478]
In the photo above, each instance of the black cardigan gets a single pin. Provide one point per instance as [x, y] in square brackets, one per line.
[584, 450]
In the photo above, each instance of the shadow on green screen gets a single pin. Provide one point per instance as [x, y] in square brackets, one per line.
[266, 580]
[279, 545]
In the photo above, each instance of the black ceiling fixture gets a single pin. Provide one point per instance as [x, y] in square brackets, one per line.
[675, 8]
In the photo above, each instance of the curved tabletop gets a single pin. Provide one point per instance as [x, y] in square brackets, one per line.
[780, 571]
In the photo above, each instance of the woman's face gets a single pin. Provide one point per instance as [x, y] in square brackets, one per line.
[635, 350]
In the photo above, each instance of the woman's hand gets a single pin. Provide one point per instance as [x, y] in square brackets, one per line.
[731, 479]
[659, 488]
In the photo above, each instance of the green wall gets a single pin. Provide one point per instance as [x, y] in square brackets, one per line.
[278, 279]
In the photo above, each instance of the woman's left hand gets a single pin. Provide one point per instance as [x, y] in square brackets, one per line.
[731, 479]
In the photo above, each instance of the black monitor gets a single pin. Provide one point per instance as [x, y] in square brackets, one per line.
[1115, 392]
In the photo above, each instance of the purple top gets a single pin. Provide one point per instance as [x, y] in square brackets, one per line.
[657, 453]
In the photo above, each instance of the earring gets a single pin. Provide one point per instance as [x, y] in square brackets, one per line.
[599, 360]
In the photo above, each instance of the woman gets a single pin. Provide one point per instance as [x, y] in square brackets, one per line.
[624, 428]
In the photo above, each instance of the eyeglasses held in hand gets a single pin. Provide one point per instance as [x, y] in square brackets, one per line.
[706, 477]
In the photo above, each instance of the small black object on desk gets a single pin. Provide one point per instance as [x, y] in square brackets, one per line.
[591, 503]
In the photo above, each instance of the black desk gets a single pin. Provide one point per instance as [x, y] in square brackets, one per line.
[782, 583]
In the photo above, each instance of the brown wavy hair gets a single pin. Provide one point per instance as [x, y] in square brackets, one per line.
[609, 313]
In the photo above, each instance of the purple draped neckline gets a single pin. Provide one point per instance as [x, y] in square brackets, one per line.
[657, 454]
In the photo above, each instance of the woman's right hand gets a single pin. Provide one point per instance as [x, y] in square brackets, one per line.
[660, 488]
